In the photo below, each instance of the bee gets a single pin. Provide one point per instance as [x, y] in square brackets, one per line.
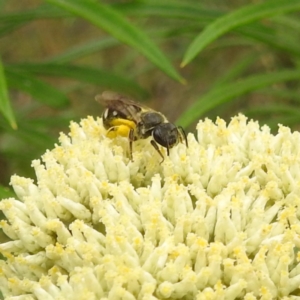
[125, 117]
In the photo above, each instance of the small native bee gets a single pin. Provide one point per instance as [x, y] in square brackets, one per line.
[124, 117]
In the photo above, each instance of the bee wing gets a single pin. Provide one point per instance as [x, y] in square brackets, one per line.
[123, 105]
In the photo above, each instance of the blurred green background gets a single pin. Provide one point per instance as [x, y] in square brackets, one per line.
[188, 59]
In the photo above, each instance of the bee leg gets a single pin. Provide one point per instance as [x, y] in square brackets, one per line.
[157, 149]
[111, 132]
[131, 139]
[183, 134]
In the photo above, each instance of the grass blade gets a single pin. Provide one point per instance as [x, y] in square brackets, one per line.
[5, 107]
[85, 74]
[288, 94]
[178, 10]
[239, 67]
[240, 17]
[87, 48]
[271, 109]
[12, 21]
[43, 11]
[272, 38]
[114, 23]
[229, 92]
[39, 90]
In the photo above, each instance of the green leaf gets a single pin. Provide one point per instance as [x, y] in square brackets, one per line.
[40, 12]
[287, 120]
[9, 27]
[87, 48]
[5, 107]
[33, 136]
[236, 70]
[271, 37]
[12, 21]
[192, 12]
[274, 114]
[273, 108]
[178, 10]
[288, 94]
[245, 15]
[85, 74]
[229, 92]
[49, 122]
[114, 23]
[290, 22]
[39, 90]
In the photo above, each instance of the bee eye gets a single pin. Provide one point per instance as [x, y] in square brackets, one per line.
[105, 114]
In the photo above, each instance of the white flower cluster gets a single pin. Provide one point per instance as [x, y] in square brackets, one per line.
[217, 220]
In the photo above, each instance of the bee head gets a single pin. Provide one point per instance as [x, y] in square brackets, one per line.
[166, 135]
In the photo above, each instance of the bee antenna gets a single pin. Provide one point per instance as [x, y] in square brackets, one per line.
[182, 132]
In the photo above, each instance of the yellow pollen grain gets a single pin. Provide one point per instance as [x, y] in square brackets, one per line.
[59, 151]
[183, 157]
[6, 205]
[125, 270]
[105, 184]
[54, 270]
[175, 177]
[13, 281]
[3, 223]
[202, 243]
[119, 239]
[58, 249]
[8, 256]
[266, 229]
[137, 241]
[238, 251]
[264, 291]
[36, 231]
[174, 254]
[222, 133]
